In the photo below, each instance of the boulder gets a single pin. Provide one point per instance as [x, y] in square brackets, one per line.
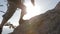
[47, 23]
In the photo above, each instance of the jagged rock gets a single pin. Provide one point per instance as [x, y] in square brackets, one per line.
[47, 23]
[57, 6]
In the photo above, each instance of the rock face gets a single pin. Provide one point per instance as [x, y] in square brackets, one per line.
[47, 23]
[57, 6]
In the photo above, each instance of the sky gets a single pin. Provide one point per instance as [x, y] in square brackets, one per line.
[41, 6]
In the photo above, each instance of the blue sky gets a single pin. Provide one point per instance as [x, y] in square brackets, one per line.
[44, 5]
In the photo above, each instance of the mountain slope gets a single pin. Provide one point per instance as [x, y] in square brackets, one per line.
[47, 23]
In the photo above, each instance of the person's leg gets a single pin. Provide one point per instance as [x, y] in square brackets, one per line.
[23, 12]
[33, 2]
[10, 11]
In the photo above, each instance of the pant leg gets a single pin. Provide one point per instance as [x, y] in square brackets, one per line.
[33, 2]
[23, 12]
[10, 11]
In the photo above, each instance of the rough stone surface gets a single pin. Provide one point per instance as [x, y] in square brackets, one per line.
[47, 23]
